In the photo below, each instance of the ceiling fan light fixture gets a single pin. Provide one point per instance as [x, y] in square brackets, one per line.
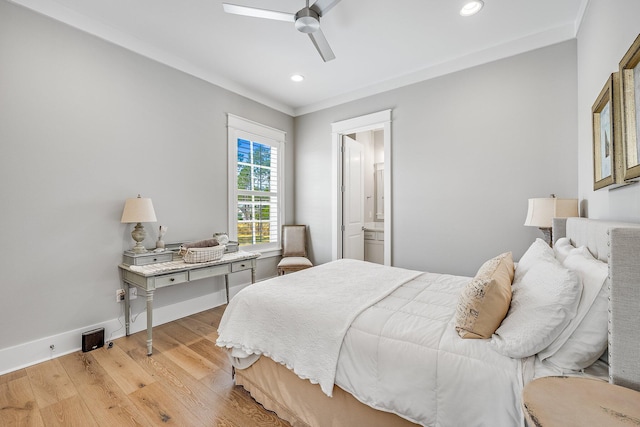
[471, 8]
[297, 78]
[307, 21]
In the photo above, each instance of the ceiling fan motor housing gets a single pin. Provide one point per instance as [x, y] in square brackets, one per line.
[307, 21]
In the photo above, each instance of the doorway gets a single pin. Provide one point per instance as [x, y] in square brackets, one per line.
[381, 123]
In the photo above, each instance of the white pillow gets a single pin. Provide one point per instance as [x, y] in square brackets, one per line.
[538, 251]
[585, 338]
[562, 248]
[544, 301]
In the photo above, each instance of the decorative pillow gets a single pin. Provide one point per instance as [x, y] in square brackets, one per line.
[589, 341]
[585, 338]
[484, 302]
[537, 252]
[544, 300]
[562, 248]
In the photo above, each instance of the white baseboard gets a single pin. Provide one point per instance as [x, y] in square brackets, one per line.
[34, 352]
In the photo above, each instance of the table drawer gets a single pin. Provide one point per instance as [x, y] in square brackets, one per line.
[214, 270]
[147, 258]
[172, 279]
[242, 265]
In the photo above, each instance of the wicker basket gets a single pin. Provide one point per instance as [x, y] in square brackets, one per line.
[196, 255]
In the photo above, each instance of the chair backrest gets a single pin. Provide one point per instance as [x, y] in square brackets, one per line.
[294, 240]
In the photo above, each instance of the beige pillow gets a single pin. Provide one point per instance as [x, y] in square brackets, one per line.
[484, 302]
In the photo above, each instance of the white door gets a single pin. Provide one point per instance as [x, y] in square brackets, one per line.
[353, 199]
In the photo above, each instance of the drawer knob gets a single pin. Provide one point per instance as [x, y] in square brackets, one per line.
[155, 259]
[241, 265]
[172, 279]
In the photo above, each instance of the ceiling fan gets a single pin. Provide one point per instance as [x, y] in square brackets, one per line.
[307, 20]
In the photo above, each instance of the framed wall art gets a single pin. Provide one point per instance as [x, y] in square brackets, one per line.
[630, 88]
[607, 161]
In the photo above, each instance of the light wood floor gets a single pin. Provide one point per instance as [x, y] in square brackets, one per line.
[186, 382]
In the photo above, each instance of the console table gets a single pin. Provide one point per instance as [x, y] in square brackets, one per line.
[155, 276]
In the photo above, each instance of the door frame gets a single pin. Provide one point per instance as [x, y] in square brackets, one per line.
[373, 121]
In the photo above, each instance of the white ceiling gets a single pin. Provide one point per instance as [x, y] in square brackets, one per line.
[379, 44]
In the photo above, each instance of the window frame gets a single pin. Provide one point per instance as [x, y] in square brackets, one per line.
[241, 128]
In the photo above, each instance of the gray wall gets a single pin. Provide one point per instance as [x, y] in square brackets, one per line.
[607, 31]
[468, 150]
[84, 125]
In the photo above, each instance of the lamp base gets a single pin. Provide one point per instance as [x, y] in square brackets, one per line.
[138, 234]
[548, 237]
[139, 249]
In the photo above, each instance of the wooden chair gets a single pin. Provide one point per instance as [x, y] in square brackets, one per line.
[294, 249]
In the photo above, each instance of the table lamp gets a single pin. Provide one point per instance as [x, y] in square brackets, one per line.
[542, 211]
[136, 211]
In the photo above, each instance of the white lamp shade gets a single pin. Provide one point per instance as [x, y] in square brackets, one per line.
[138, 210]
[542, 211]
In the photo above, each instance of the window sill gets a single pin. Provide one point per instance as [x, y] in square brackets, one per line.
[267, 253]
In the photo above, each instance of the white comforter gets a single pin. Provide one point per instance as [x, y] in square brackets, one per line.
[401, 353]
[404, 356]
[300, 320]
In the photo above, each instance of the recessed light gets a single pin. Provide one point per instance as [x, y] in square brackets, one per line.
[471, 8]
[297, 77]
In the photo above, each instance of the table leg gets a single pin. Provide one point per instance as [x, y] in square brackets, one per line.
[126, 308]
[149, 322]
[253, 275]
[226, 286]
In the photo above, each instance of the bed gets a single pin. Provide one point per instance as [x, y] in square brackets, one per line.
[351, 343]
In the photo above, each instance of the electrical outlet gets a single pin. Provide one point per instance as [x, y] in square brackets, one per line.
[119, 295]
[133, 293]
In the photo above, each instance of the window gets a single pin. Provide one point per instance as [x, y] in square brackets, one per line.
[256, 184]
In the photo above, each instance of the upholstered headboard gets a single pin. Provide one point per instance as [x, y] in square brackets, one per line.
[618, 244]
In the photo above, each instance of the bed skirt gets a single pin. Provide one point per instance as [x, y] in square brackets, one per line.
[303, 404]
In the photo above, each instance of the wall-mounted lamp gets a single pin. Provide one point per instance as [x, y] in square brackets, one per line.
[542, 211]
[136, 211]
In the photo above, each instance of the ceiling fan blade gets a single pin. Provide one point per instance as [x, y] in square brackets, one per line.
[321, 43]
[258, 13]
[323, 6]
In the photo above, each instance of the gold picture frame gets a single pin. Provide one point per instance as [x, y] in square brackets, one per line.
[605, 113]
[630, 104]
